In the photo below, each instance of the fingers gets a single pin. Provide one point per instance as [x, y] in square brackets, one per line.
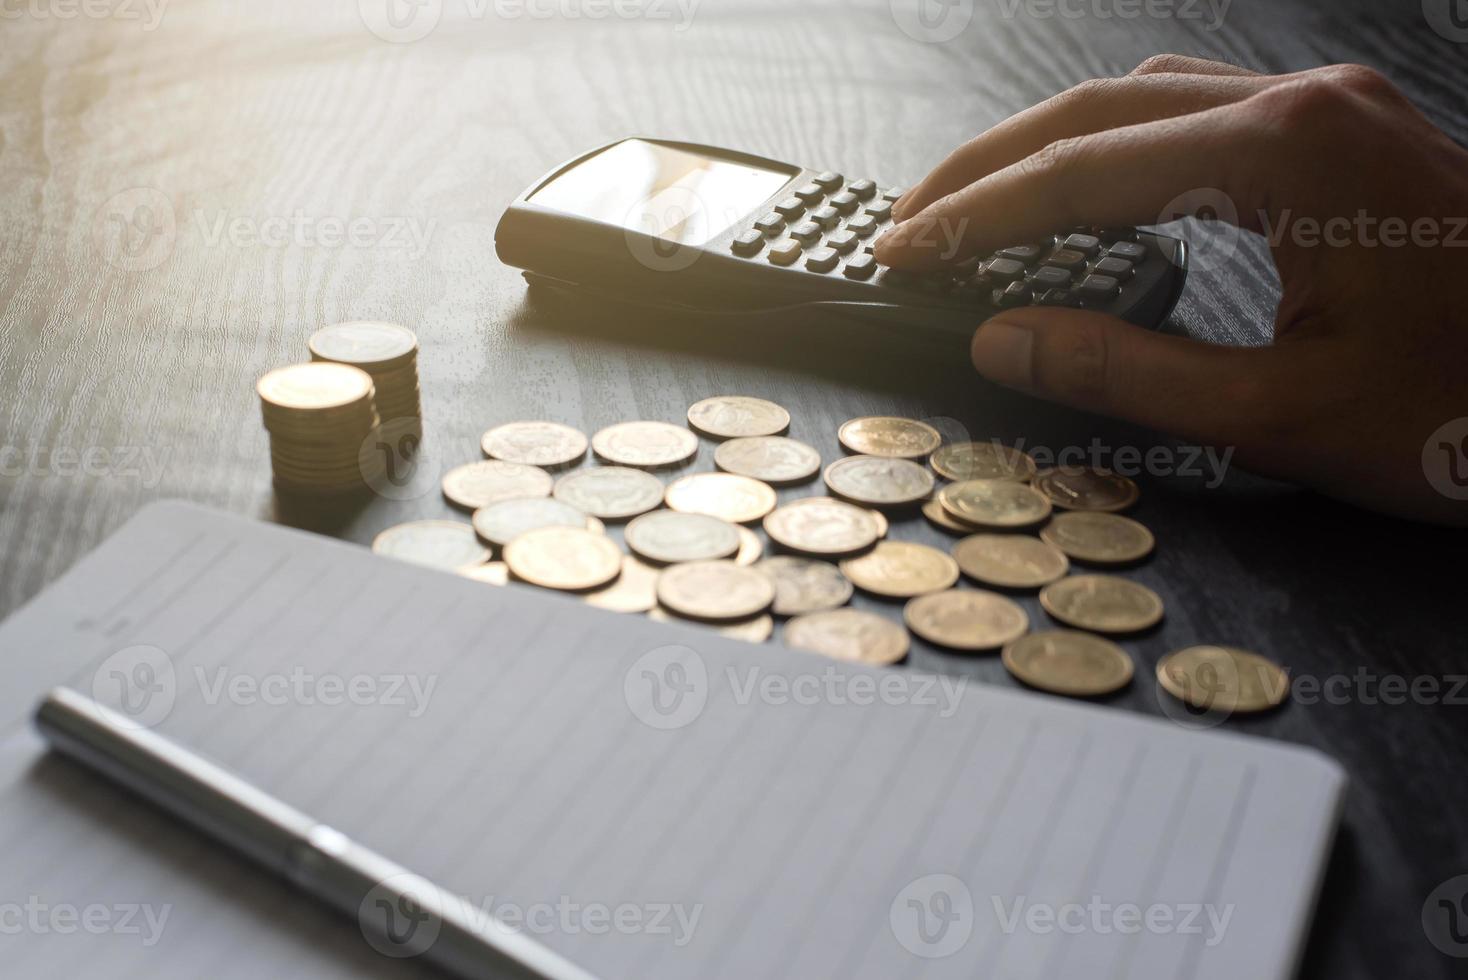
[1179, 64]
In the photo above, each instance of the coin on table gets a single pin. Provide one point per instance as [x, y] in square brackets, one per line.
[934, 512]
[848, 634]
[773, 459]
[966, 619]
[714, 590]
[504, 520]
[879, 518]
[476, 485]
[534, 443]
[612, 493]
[365, 343]
[879, 481]
[644, 444]
[490, 573]
[738, 416]
[804, 585]
[982, 461]
[1010, 561]
[669, 537]
[886, 435]
[901, 570]
[994, 503]
[634, 591]
[449, 545]
[565, 558]
[755, 629]
[317, 386]
[1099, 538]
[751, 548]
[1086, 488]
[1225, 679]
[1075, 664]
[736, 499]
[822, 526]
[1102, 603]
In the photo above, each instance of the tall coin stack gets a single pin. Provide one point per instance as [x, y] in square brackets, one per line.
[319, 415]
[386, 351]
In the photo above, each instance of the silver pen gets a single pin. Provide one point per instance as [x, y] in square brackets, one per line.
[400, 913]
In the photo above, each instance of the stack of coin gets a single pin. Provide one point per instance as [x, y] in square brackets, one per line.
[319, 415]
[386, 351]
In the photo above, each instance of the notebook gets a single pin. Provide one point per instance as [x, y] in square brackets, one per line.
[650, 800]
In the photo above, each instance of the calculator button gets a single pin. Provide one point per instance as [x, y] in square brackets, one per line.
[748, 243]
[860, 266]
[1114, 267]
[1015, 294]
[828, 180]
[770, 224]
[1055, 297]
[825, 216]
[893, 193]
[810, 193]
[1066, 259]
[863, 225]
[784, 253]
[864, 189]
[881, 210]
[1020, 253]
[821, 260]
[1050, 277]
[805, 232]
[1085, 244]
[967, 267]
[1130, 251]
[791, 207]
[1006, 270]
[845, 202]
[842, 241]
[1098, 289]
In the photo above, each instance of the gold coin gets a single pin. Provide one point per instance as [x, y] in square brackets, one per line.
[1224, 679]
[966, 619]
[668, 537]
[612, 493]
[644, 444]
[634, 591]
[934, 512]
[1010, 561]
[879, 481]
[317, 386]
[448, 545]
[994, 503]
[714, 590]
[848, 634]
[503, 521]
[982, 461]
[1077, 665]
[879, 518]
[886, 435]
[377, 347]
[1102, 603]
[564, 558]
[756, 629]
[774, 459]
[490, 573]
[738, 416]
[822, 526]
[1099, 538]
[736, 499]
[750, 546]
[901, 570]
[803, 585]
[476, 485]
[1086, 488]
[534, 443]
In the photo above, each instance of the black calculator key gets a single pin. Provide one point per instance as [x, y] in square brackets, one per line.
[1130, 251]
[893, 193]
[770, 224]
[1098, 289]
[805, 232]
[1006, 270]
[821, 259]
[1114, 267]
[845, 202]
[863, 189]
[748, 243]
[880, 210]
[1085, 244]
[1015, 294]
[1055, 297]
[784, 253]
[1050, 277]
[1066, 258]
[863, 225]
[810, 193]
[791, 207]
[860, 266]
[828, 179]
[1020, 253]
[967, 267]
[842, 241]
[825, 216]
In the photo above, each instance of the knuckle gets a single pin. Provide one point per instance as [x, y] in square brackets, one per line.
[1086, 94]
[1162, 64]
[1309, 104]
[1361, 80]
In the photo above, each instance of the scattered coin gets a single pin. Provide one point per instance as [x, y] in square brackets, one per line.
[490, 573]
[1086, 488]
[879, 481]
[714, 590]
[885, 435]
[634, 591]
[1223, 679]
[756, 629]
[994, 503]
[848, 634]
[934, 512]
[803, 585]
[1102, 603]
[565, 558]
[751, 548]
[534, 443]
[901, 570]
[822, 526]
[1010, 561]
[1099, 538]
[966, 619]
[669, 537]
[644, 444]
[1067, 662]
[476, 485]
[879, 518]
[982, 461]
[773, 459]
[504, 520]
[612, 493]
[736, 499]
[738, 416]
[449, 545]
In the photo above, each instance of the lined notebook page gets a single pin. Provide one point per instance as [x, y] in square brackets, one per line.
[512, 765]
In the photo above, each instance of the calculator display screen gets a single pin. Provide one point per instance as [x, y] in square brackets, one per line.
[661, 190]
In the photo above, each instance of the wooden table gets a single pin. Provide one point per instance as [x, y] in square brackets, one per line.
[236, 136]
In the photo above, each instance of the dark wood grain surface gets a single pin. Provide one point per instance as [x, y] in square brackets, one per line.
[129, 378]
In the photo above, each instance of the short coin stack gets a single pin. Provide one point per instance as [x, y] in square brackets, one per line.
[318, 416]
[386, 351]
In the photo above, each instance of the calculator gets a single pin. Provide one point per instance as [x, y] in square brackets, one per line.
[708, 231]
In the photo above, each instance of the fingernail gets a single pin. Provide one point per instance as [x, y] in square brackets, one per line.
[1003, 353]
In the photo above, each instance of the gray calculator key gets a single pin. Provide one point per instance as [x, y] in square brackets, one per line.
[1085, 244]
[1116, 268]
[1066, 258]
[810, 193]
[1130, 251]
[821, 259]
[828, 179]
[845, 202]
[1020, 253]
[770, 224]
[893, 193]
[1006, 270]
[863, 225]
[784, 253]
[1098, 289]
[791, 207]
[881, 210]
[864, 189]
[842, 241]
[1015, 294]
[860, 266]
[748, 243]
[825, 216]
[805, 232]
[1050, 277]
